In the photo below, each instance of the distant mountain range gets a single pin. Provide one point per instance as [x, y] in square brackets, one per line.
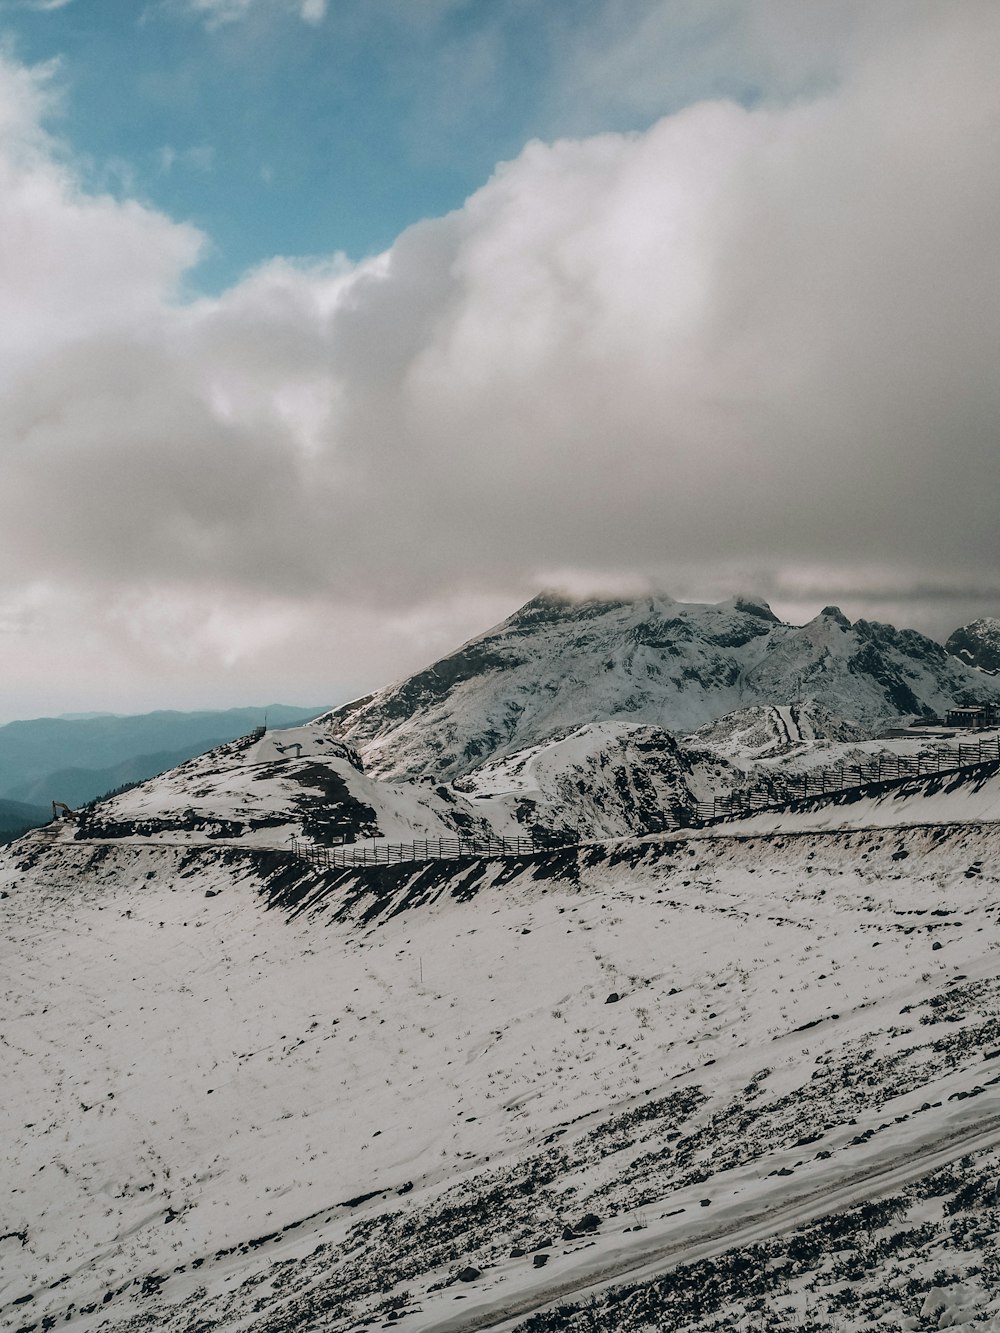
[74, 759]
[16, 818]
[557, 664]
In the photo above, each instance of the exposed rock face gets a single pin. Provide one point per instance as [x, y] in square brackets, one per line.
[767, 730]
[977, 644]
[557, 664]
[602, 780]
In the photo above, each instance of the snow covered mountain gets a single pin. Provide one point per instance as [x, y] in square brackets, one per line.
[500, 716]
[977, 644]
[769, 730]
[557, 664]
[741, 1078]
[603, 780]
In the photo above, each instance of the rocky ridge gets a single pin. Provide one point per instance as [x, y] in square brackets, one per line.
[977, 644]
[557, 664]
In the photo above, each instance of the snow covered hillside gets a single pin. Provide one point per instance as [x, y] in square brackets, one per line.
[605, 780]
[602, 780]
[243, 1095]
[744, 1077]
[771, 730]
[302, 782]
[953, 797]
[501, 719]
[557, 664]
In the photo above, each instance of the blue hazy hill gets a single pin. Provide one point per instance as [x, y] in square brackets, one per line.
[73, 759]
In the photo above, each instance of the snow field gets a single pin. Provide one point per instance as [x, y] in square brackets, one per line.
[180, 1089]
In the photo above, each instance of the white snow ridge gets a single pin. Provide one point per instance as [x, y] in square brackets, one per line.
[653, 1074]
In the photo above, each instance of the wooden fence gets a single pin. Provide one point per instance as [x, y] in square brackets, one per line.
[789, 788]
[379, 853]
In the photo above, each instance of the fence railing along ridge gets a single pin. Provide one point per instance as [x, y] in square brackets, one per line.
[831, 780]
[788, 790]
[375, 852]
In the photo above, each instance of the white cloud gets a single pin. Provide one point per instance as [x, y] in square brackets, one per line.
[199, 158]
[74, 267]
[746, 347]
[218, 13]
[40, 6]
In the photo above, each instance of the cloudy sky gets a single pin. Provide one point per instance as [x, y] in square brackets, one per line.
[334, 329]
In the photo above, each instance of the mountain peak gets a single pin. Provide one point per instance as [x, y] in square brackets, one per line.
[835, 614]
[557, 604]
[752, 606]
[562, 662]
[977, 644]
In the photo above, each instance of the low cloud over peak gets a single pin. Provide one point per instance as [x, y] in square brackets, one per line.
[746, 345]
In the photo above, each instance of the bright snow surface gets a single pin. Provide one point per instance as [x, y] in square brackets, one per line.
[187, 1074]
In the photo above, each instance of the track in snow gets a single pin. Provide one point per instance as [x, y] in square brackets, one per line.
[645, 1262]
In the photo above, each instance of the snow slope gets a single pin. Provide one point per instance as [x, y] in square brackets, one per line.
[301, 782]
[242, 1096]
[602, 780]
[947, 799]
[558, 664]
[770, 730]
[746, 1078]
